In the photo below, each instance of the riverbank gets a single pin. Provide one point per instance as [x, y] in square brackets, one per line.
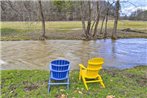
[128, 83]
[68, 30]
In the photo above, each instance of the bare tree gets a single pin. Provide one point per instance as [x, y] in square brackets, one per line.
[96, 10]
[83, 18]
[89, 19]
[106, 20]
[103, 20]
[97, 19]
[86, 28]
[117, 7]
[43, 20]
[103, 15]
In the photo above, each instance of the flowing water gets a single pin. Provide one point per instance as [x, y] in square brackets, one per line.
[122, 53]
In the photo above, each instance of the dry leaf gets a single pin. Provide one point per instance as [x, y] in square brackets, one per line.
[110, 96]
[80, 92]
[111, 80]
[62, 96]
[62, 90]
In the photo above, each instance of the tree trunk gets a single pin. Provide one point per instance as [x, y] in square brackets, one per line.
[42, 19]
[105, 33]
[97, 19]
[83, 19]
[89, 19]
[107, 13]
[92, 26]
[102, 24]
[117, 6]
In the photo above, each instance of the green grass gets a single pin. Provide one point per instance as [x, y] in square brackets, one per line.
[129, 83]
[31, 30]
[70, 24]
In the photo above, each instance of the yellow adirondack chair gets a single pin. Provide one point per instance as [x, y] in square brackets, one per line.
[91, 72]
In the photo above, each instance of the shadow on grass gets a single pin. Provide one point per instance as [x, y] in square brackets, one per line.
[8, 31]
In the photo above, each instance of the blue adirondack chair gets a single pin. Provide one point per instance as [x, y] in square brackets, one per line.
[59, 73]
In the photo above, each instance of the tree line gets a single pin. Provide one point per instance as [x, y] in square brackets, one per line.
[88, 12]
[53, 10]
[139, 14]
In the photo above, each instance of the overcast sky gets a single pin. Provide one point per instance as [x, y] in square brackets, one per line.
[131, 6]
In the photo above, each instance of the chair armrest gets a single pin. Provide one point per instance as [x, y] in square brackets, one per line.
[82, 66]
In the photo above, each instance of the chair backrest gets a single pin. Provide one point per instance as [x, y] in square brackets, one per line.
[94, 65]
[59, 68]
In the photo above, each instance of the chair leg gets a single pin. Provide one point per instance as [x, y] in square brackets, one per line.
[99, 77]
[79, 75]
[102, 84]
[67, 84]
[48, 88]
[84, 80]
[49, 85]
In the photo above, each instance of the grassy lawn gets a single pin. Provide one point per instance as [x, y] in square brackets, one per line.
[63, 30]
[129, 83]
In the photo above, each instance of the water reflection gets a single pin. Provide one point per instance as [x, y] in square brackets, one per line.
[122, 53]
